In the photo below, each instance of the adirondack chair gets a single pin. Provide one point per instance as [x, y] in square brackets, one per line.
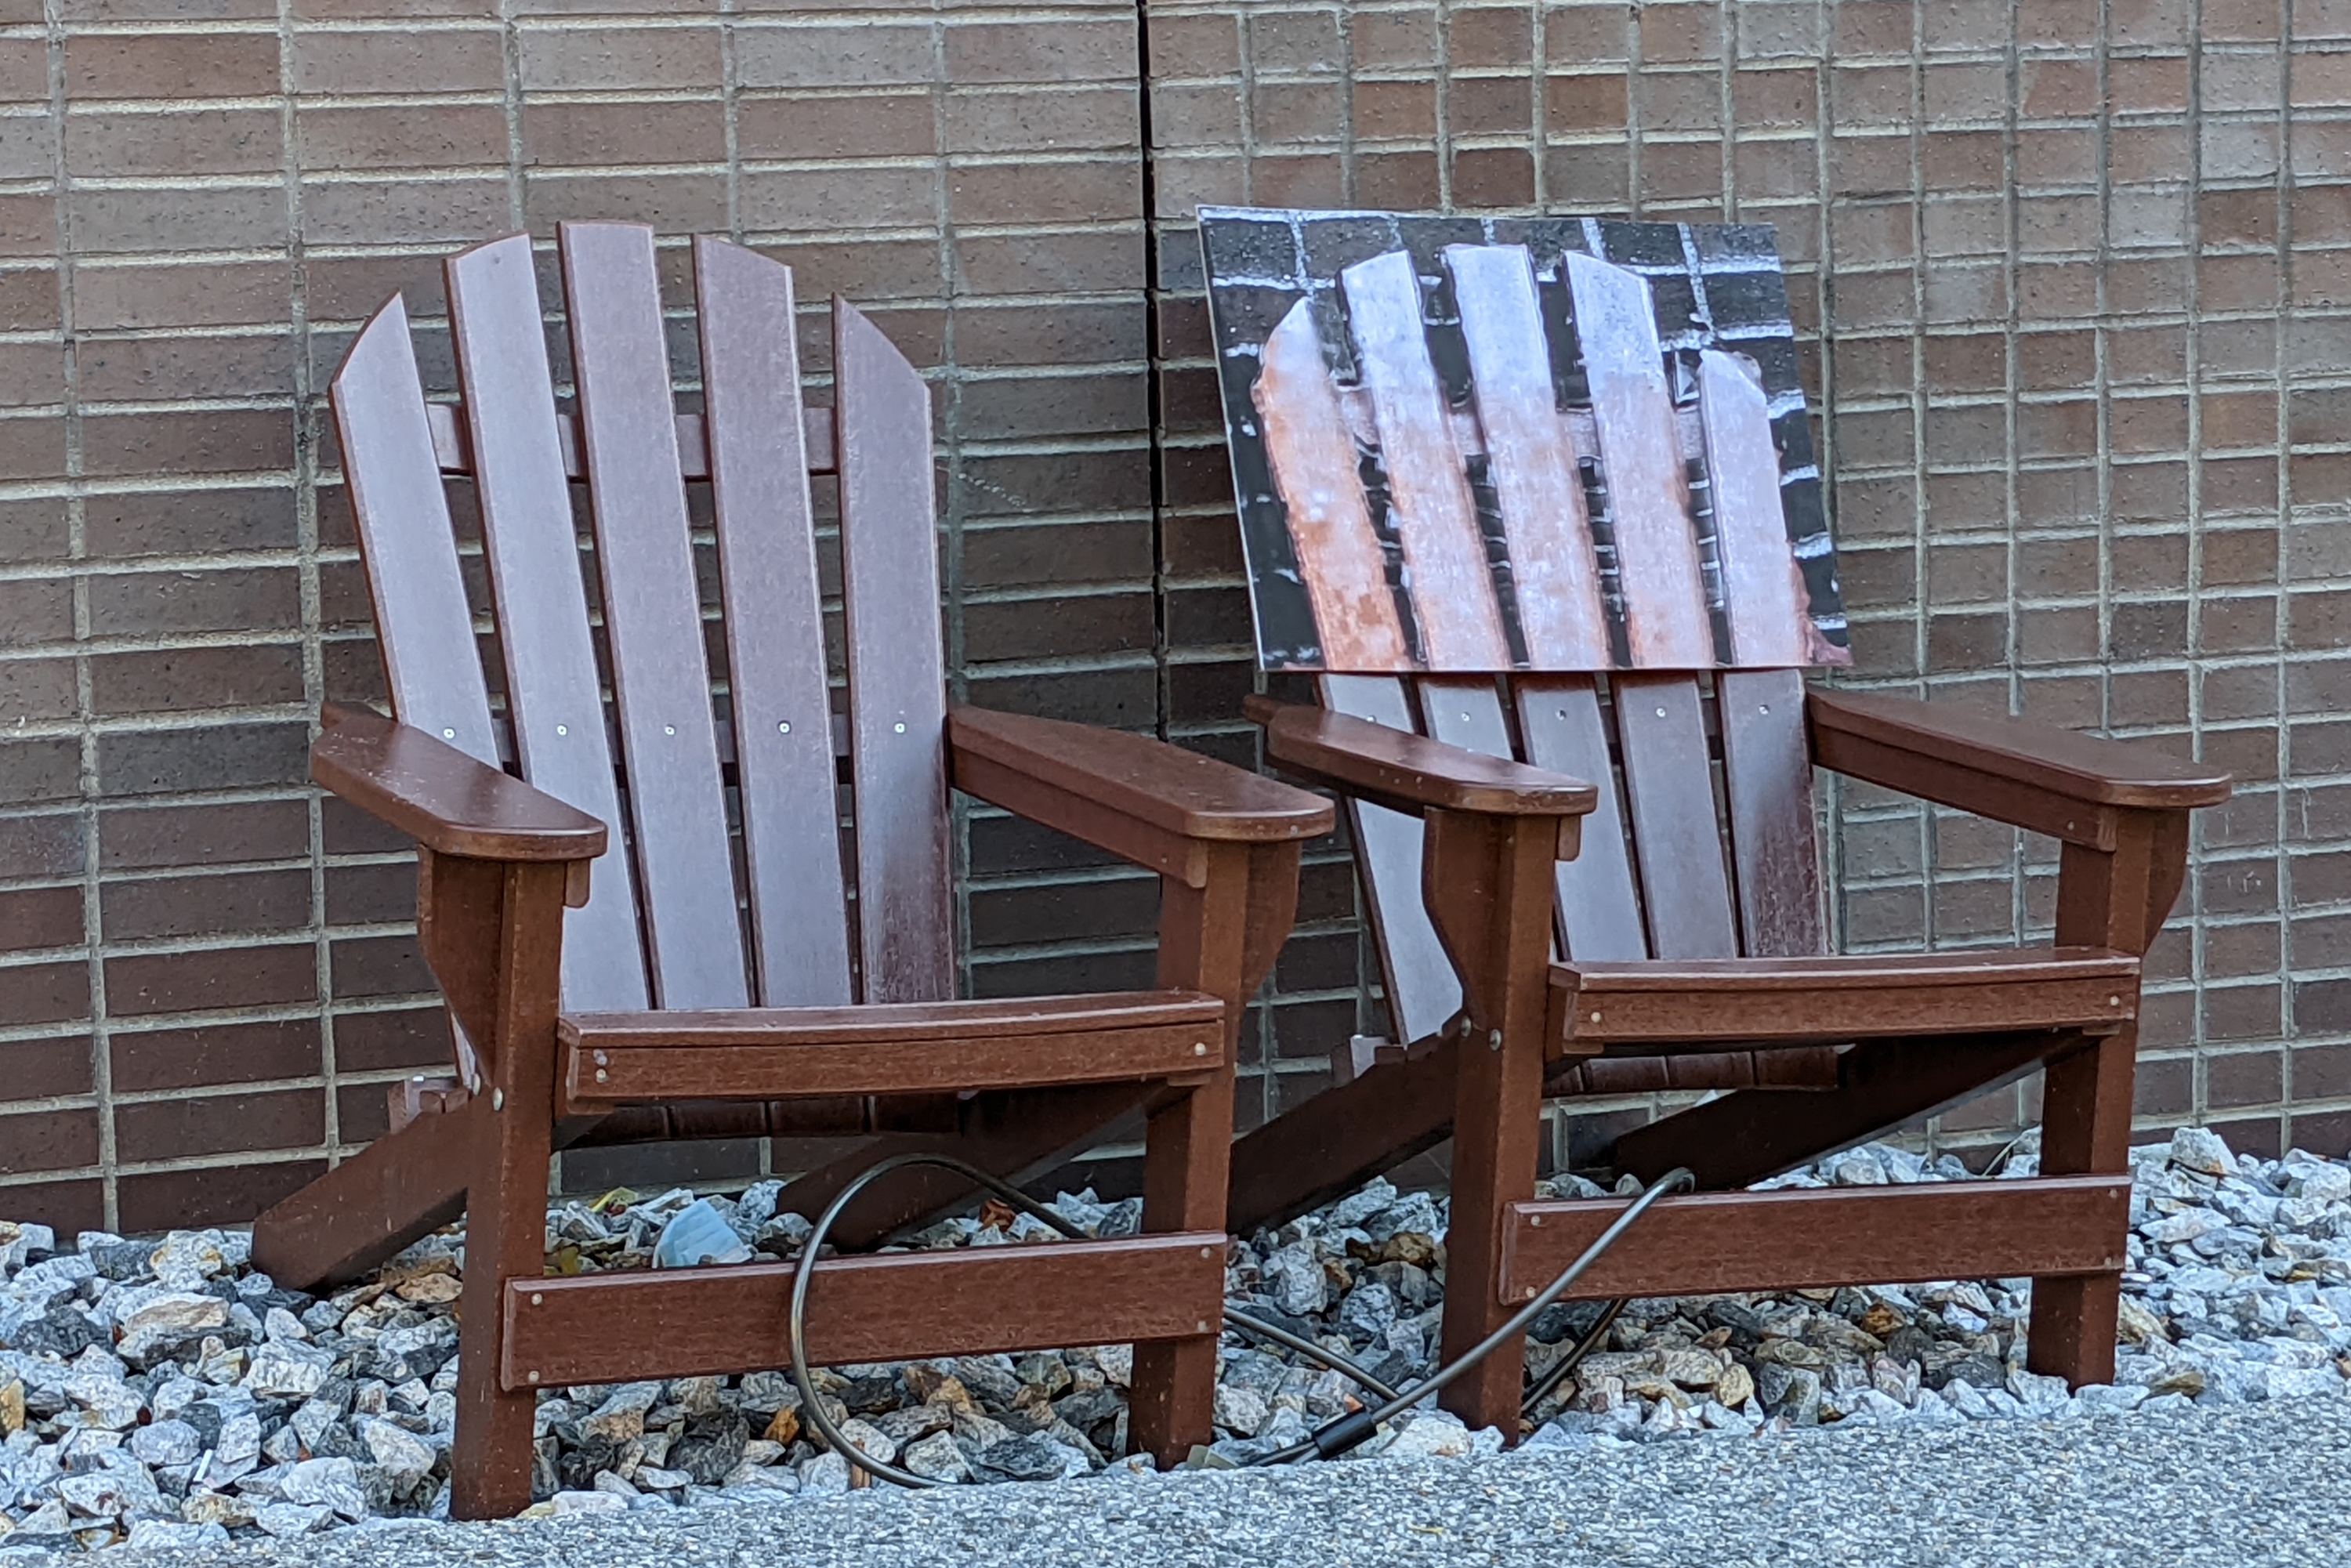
[660, 979]
[1544, 936]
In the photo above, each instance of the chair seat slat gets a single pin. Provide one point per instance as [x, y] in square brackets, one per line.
[1562, 727]
[897, 705]
[1424, 992]
[422, 625]
[1670, 784]
[653, 616]
[1767, 772]
[556, 702]
[775, 626]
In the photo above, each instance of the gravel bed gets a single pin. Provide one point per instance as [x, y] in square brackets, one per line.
[159, 1392]
[2247, 1488]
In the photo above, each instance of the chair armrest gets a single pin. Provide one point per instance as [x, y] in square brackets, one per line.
[2012, 770]
[444, 800]
[1130, 794]
[1411, 772]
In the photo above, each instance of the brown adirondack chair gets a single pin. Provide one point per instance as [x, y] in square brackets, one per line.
[1538, 938]
[660, 980]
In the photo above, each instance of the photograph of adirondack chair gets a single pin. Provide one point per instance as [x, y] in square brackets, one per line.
[1614, 882]
[1637, 487]
[584, 919]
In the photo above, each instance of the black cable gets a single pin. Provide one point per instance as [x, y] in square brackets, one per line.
[1567, 1363]
[1351, 1431]
[1333, 1439]
[796, 1322]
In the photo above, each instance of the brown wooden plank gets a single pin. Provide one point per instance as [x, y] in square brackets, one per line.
[1979, 751]
[653, 616]
[423, 627]
[1767, 773]
[1530, 459]
[453, 449]
[1561, 726]
[755, 1066]
[1642, 467]
[1312, 457]
[1708, 1244]
[897, 706]
[1340, 1138]
[1882, 1084]
[1670, 785]
[1436, 519]
[607, 1328]
[1670, 1002]
[406, 1183]
[1022, 1019]
[1764, 593]
[1423, 991]
[553, 696]
[775, 626]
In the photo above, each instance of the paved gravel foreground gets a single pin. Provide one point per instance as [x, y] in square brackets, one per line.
[2257, 1484]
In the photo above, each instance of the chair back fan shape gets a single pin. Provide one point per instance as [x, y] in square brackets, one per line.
[1644, 541]
[667, 924]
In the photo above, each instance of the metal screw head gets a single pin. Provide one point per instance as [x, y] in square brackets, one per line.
[1201, 1327]
[537, 1300]
[901, 729]
[669, 729]
[602, 1076]
[1533, 1219]
[1494, 1041]
[563, 729]
[1595, 1017]
[603, 1060]
[1661, 713]
[784, 726]
[497, 1098]
[1208, 1251]
[530, 1377]
[1529, 1293]
[448, 734]
[2114, 1002]
[1200, 1048]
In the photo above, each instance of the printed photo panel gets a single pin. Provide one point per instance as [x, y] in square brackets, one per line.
[1477, 444]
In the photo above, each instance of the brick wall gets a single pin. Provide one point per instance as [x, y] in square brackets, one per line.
[2071, 271]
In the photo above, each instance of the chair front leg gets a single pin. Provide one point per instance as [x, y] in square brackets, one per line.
[1488, 883]
[2116, 899]
[1219, 937]
[518, 916]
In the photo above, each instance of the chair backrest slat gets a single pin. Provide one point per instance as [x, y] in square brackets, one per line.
[1434, 513]
[890, 572]
[1669, 781]
[1641, 469]
[1313, 460]
[1424, 992]
[1767, 772]
[653, 616]
[552, 693]
[775, 626]
[1560, 725]
[1763, 599]
[1530, 459]
[454, 450]
[422, 623]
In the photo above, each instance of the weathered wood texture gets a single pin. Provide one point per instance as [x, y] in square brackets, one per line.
[1434, 515]
[609, 1328]
[1531, 459]
[1715, 1243]
[1313, 460]
[1642, 468]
